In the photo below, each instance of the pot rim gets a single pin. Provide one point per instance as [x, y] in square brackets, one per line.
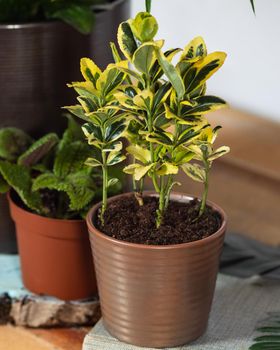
[34, 215]
[92, 228]
[34, 24]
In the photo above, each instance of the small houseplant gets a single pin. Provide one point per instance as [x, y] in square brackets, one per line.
[51, 189]
[156, 253]
[39, 54]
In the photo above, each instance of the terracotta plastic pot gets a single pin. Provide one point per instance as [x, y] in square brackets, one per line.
[156, 296]
[55, 255]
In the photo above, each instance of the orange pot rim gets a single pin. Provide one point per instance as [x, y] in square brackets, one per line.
[37, 216]
[174, 195]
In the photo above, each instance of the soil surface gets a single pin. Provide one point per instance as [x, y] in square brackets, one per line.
[127, 221]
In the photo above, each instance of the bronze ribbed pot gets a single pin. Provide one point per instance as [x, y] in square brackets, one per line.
[156, 296]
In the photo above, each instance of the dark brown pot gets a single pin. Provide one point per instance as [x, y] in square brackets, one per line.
[36, 62]
[55, 255]
[38, 59]
[156, 296]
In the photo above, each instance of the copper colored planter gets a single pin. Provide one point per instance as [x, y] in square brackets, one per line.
[55, 255]
[156, 296]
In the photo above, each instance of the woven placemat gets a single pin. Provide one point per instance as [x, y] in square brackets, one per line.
[238, 306]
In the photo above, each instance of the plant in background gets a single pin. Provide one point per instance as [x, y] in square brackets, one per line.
[77, 13]
[49, 175]
[163, 117]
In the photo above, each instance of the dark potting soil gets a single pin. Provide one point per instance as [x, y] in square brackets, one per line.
[127, 221]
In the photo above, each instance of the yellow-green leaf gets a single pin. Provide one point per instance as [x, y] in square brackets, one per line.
[90, 71]
[139, 153]
[126, 40]
[144, 26]
[92, 162]
[168, 169]
[194, 50]
[137, 170]
[221, 151]
[144, 57]
[202, 70]
[172, 74]
[195, 172]
[144, 100]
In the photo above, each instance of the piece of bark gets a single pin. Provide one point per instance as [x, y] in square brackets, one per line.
[44, 312]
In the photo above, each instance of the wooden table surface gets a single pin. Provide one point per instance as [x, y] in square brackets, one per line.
[246, 183]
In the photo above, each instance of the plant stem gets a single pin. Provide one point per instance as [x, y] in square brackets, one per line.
[205, 192]
[105, 186]
[168, 190]
[148, 5]
[160, 210]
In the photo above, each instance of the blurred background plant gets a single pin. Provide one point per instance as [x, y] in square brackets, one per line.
[49, 175]
[77, 13]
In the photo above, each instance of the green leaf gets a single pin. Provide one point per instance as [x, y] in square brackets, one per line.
[202, 105]
[19, 178]
[126, 40]
[111, 78]
[13, 142]
[144, 27]
[113, 182]
[79, 17]
[4, 186]
[172, 74]
[94, 163]
[73, 132]
[202, 70]
[115, 158]
[78, 111]
[195, 49]
[137, 170]
[221, 151]
[90, 71]
[144, 57]
[194, 171]
[38, 150]
[115, 131]
[115, 53]
[71, 158]
[78, 186]
[253, 5]
[167, 169]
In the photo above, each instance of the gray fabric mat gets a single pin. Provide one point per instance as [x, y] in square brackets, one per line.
[238, 307]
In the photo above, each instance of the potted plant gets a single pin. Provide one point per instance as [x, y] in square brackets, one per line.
[156, 253]
[41, 43]
[52, 189]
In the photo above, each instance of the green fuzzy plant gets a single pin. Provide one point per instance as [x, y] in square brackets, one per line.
[77, 13]
[160, 109]
[50, 175]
